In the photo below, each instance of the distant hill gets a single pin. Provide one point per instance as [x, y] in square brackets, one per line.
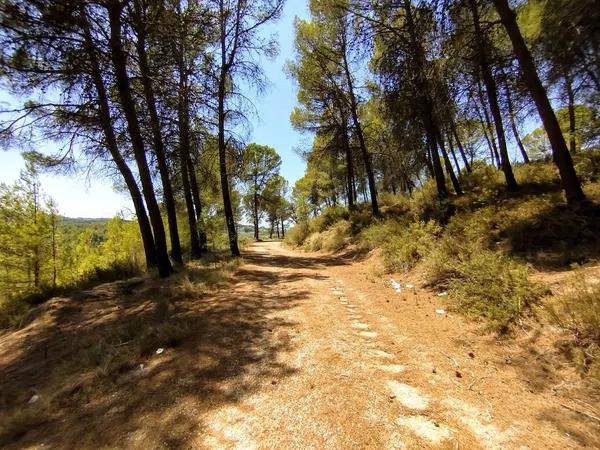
[84, 220]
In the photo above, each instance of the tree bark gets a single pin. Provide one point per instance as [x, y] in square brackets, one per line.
[361, 139]
[492, 94]
[572, 123]
[448, 164]
[513, 124]
[349, 162]
[197, 207]
[105, 120]
[560, 152]
[159, 148]
[461, 149]
[119, 60]
[221, 116]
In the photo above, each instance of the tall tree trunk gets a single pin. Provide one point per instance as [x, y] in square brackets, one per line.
[492, 94]
[349, 162]
[221, 116]
[572, 124]
[255, 212]
[453, 153]
[489, 138]
[197, 207]
[461, 149]
[358, 128]
[513, 124]
[183, 118]
[488, 130]
[119, 60]
[426, 103]
[105, 120]
[440, 180]
[448, 164]
[159, 148]
[560, 152]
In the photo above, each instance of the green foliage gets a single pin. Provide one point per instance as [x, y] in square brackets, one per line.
[402, 251]
[296, 235]
[577, 311]
[491, 286]
[328, 217]
[380, 232]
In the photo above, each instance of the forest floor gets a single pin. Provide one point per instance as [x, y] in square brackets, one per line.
[296, 350]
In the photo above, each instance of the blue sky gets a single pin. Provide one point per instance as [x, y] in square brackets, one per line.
[93, 196]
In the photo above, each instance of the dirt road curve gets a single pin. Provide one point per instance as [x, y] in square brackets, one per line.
[304, 352]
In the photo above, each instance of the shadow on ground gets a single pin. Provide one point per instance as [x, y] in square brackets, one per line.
[83, 357]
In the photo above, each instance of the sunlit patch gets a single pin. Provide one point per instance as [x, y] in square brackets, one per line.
[425, 428]
[408, 396]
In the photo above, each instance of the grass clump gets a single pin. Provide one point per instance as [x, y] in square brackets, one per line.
[404, 250]
[578, 312]
[296, 235]
[490, 286]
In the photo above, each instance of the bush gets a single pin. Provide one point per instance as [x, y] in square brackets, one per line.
[491, 286]
[296, 235]
[335, 238]
[314, 242]
[578, 312]
[328, 217]
[404, 250]
[483, 183]
[425, 204]
[12, 310]
[537, 172]
[379, 233]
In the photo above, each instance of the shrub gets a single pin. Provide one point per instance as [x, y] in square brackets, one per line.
[425, 204]
[537, 172]
[328, 217]
[379, 233]
[335, 238]
[493, 287]
[391, 204]
[12, 309]
[314, 242]
[578, 312]
[484, 182]
[361, 218]
[403, 251]
[296, 235]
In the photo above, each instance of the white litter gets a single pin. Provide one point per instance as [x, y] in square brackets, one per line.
[141, 367]
[410, 286]
[33, 399]
[442, 294]
[159, 351]
[440, 311]
[395, 285]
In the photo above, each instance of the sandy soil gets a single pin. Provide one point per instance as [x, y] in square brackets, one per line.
[316, 351]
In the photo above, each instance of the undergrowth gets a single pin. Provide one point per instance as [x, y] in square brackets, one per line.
[577, 311]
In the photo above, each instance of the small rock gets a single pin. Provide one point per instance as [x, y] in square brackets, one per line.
[33, 399]
[160, 350]
[471, 355]
[273, 382]
[141, 367]
[458, 374]
[433, 370]
[392, 396]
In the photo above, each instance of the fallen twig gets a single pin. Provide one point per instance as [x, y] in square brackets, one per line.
[583, 413]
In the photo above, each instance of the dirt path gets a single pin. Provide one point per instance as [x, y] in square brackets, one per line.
[311, 351]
